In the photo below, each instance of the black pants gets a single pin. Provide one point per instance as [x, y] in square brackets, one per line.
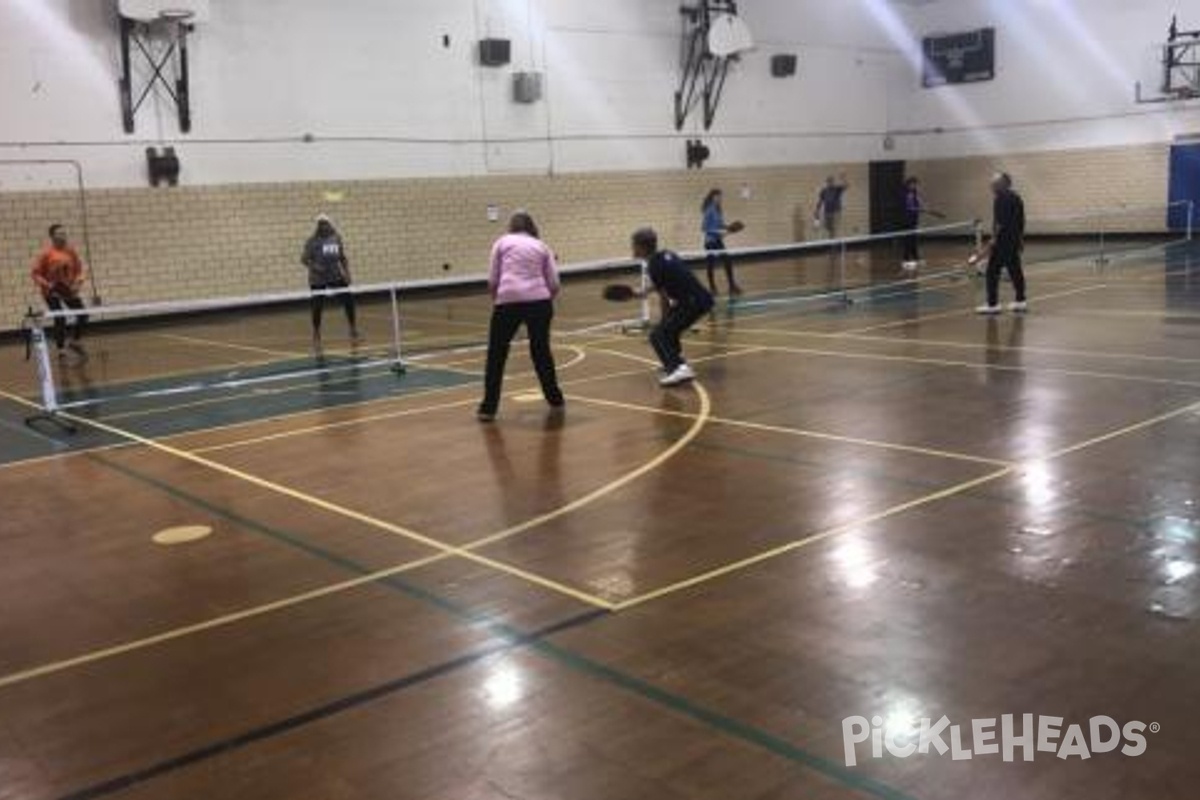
[506, 321]
[714, 245]
[60, 302]
[665, 336]
[317, 302]
[912, 242]
[1005, 257]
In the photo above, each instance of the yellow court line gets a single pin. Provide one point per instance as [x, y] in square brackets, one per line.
[969, 345]
[217, 344]
[1137, 426]
[802, 433]
[327, 426]
[36, 460]
[452, 366]
[940, 362]
[373, 417]
[895, 510]
[699, 420]
[211, 624]
[291, 415]
[325, 505]
[967, 311]
[342, 586]
[1133, 313]
[838, 530]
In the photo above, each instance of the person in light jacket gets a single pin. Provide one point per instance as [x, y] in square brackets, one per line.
[523, 282]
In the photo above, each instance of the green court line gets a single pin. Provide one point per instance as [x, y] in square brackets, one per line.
[728, 726]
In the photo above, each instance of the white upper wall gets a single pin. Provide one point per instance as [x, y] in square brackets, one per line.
[353, 74]
[1066, 71]
[373, 83]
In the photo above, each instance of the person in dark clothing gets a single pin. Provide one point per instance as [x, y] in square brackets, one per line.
[523, 281]
[1008, 243]
[913, 206]
[828, 213]
[328, 271]
[684, 302]
[714, 227]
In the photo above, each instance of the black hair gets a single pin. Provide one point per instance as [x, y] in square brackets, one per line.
[911, 180]
[55, 227]
[646, 239]
[709, 198]
[522, 222]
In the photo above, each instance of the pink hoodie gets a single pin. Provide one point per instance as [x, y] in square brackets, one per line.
[523, 270]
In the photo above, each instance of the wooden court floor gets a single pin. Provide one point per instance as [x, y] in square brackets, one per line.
[891, 509]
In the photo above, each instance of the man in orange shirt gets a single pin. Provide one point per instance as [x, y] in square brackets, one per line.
[58, 273]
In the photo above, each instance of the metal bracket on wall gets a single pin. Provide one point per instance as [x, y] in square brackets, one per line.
[703, 73]
[1181, 68]
[139, 35]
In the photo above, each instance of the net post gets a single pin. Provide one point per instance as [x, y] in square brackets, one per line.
[1191, 218]
[644, 310]
[1102, 259]
[39, 350]
[842, 285]
[397, 356]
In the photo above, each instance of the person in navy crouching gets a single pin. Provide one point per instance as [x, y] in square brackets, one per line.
[684, 302]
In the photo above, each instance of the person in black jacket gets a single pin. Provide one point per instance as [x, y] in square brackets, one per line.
[684, 302]
[1008, 243]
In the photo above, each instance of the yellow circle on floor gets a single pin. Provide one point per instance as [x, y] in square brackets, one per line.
[184, 534]
[527, 398]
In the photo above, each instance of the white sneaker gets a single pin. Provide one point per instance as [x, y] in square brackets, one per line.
[989, 310]
[910, 266]
[1019, 307]
[682, 374]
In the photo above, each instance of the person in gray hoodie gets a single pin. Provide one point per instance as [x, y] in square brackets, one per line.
[328, 271]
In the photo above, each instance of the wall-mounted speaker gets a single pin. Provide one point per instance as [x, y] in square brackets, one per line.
[162, 167]
[783, 65]
[495, 52]
[527, 87]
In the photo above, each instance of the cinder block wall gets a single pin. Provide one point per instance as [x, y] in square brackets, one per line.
[195, 242]
[1121, 189]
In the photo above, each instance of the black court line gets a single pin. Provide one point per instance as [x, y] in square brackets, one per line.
[512, 639]
[341, 705]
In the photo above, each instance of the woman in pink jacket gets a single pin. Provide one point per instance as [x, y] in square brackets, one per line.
[523, 283]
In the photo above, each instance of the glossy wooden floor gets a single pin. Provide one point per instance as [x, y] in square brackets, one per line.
[894, 509]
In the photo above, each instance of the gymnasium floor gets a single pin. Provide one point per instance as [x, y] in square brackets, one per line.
[893, 508]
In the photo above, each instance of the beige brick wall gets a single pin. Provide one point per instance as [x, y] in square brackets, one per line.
[1091, 188]
[193, 242]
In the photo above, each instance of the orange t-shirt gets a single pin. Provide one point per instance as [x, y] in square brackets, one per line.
[57, 267]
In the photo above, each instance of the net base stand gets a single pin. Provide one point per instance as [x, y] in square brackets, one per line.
[637, 327]
[52, 418]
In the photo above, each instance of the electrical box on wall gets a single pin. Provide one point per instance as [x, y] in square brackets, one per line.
[495, 52]
[527, 87]
[162, 167]
[783, 65]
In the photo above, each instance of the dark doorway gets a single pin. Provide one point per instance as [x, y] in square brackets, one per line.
[1185, 187]
[887, 196]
